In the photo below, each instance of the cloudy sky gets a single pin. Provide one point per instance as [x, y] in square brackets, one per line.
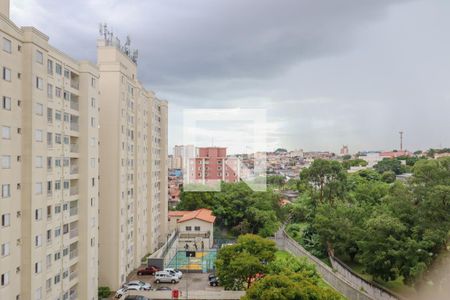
[327, 72]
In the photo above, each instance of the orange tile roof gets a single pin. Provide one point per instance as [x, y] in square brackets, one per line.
[178, 213]
[201, 214]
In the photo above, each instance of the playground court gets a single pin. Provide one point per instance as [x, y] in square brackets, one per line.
[203, 261]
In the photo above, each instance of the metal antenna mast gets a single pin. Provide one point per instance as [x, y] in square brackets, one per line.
[401, 140]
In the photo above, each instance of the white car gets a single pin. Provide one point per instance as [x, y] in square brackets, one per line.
[122, 291]
[164, 276]
[139, 285]
[175, 272]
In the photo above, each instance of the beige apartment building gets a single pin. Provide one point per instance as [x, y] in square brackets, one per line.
[49, 168]
[133, 166]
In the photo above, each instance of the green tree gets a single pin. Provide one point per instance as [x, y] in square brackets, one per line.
[292, 287]
[277, 180]
[388, 176]
[326, 178]
[382, 246]
[238, 265]
[390, 164]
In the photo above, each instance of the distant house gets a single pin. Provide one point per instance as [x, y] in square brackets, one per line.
[194, 227]
[394, 154]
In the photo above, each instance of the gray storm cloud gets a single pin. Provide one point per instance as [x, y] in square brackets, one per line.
[383, 64]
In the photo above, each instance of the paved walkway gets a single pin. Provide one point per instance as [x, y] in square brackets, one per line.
[194, 295]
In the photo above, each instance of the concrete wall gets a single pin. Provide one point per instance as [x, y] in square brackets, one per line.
[337, 281]
[372, 289]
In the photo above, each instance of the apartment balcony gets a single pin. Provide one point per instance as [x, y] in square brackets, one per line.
[73, 169]
[73, 211]
[74, 126]
[73, 294]
[74, 80]
[73, 275]
[73, 190]
[73, 254]
[74, 148]
[74, 103]
[73, 231]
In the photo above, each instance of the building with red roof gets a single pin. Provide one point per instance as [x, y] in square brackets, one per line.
[195, 227]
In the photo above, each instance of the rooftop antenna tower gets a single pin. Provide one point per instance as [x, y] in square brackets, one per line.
[401, 140]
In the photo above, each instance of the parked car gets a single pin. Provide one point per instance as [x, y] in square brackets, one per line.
[137, 283]
[163, 288]
[164, 276]
[123, 290]
[175, 272]
[136, 297]
[214, 281]
[211, 276]
[150, 270]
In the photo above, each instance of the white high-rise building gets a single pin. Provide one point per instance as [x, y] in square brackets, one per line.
[49, 169]
[133, 167]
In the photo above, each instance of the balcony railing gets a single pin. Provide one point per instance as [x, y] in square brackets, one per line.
[73, 191]
[73, 232]
[74, 105]
[74, 126]
[73, 169]
[73, 295]
[73, 275]
[74, 148]
[73, 254]
[73, 211]
[75, 85]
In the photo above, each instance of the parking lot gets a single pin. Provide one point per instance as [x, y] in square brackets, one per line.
[189, 282]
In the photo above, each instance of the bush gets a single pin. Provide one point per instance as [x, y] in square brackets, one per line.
[103, 292]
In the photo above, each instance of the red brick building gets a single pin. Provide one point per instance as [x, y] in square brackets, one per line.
[211, 164]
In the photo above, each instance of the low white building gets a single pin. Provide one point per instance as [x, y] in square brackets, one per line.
[195, 228]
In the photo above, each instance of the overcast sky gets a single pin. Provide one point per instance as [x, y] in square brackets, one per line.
[328, 73]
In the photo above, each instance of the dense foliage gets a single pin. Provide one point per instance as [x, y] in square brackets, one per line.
[254, 264]
[238, 209]
[391, 229]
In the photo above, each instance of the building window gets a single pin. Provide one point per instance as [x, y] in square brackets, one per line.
[37, 267]
[38, 135]
[6, 191]
[49, 90]
[5, 249]
[6, 161]
[39, 83]
[58, 69]
[188, 228]
[39, 161]
[38, 240]
[39, 109]
[6, 74]
[38, 214]
[57, 115]
[6, 103]
[39, 57]
[57, 138]
[57, 188]
[6, 132]
[50, 67]
[7, 45]
[197, 228]
[4, 279]
[66, 73]
[93, 82]
[49, 115]
[58, 92]
[38, 188]
[6, 220]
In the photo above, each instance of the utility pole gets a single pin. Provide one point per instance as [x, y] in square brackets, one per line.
[401, 140]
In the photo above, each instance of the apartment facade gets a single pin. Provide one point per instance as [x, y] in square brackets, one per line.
[133, 167]
[211, 165]
[49, 169]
